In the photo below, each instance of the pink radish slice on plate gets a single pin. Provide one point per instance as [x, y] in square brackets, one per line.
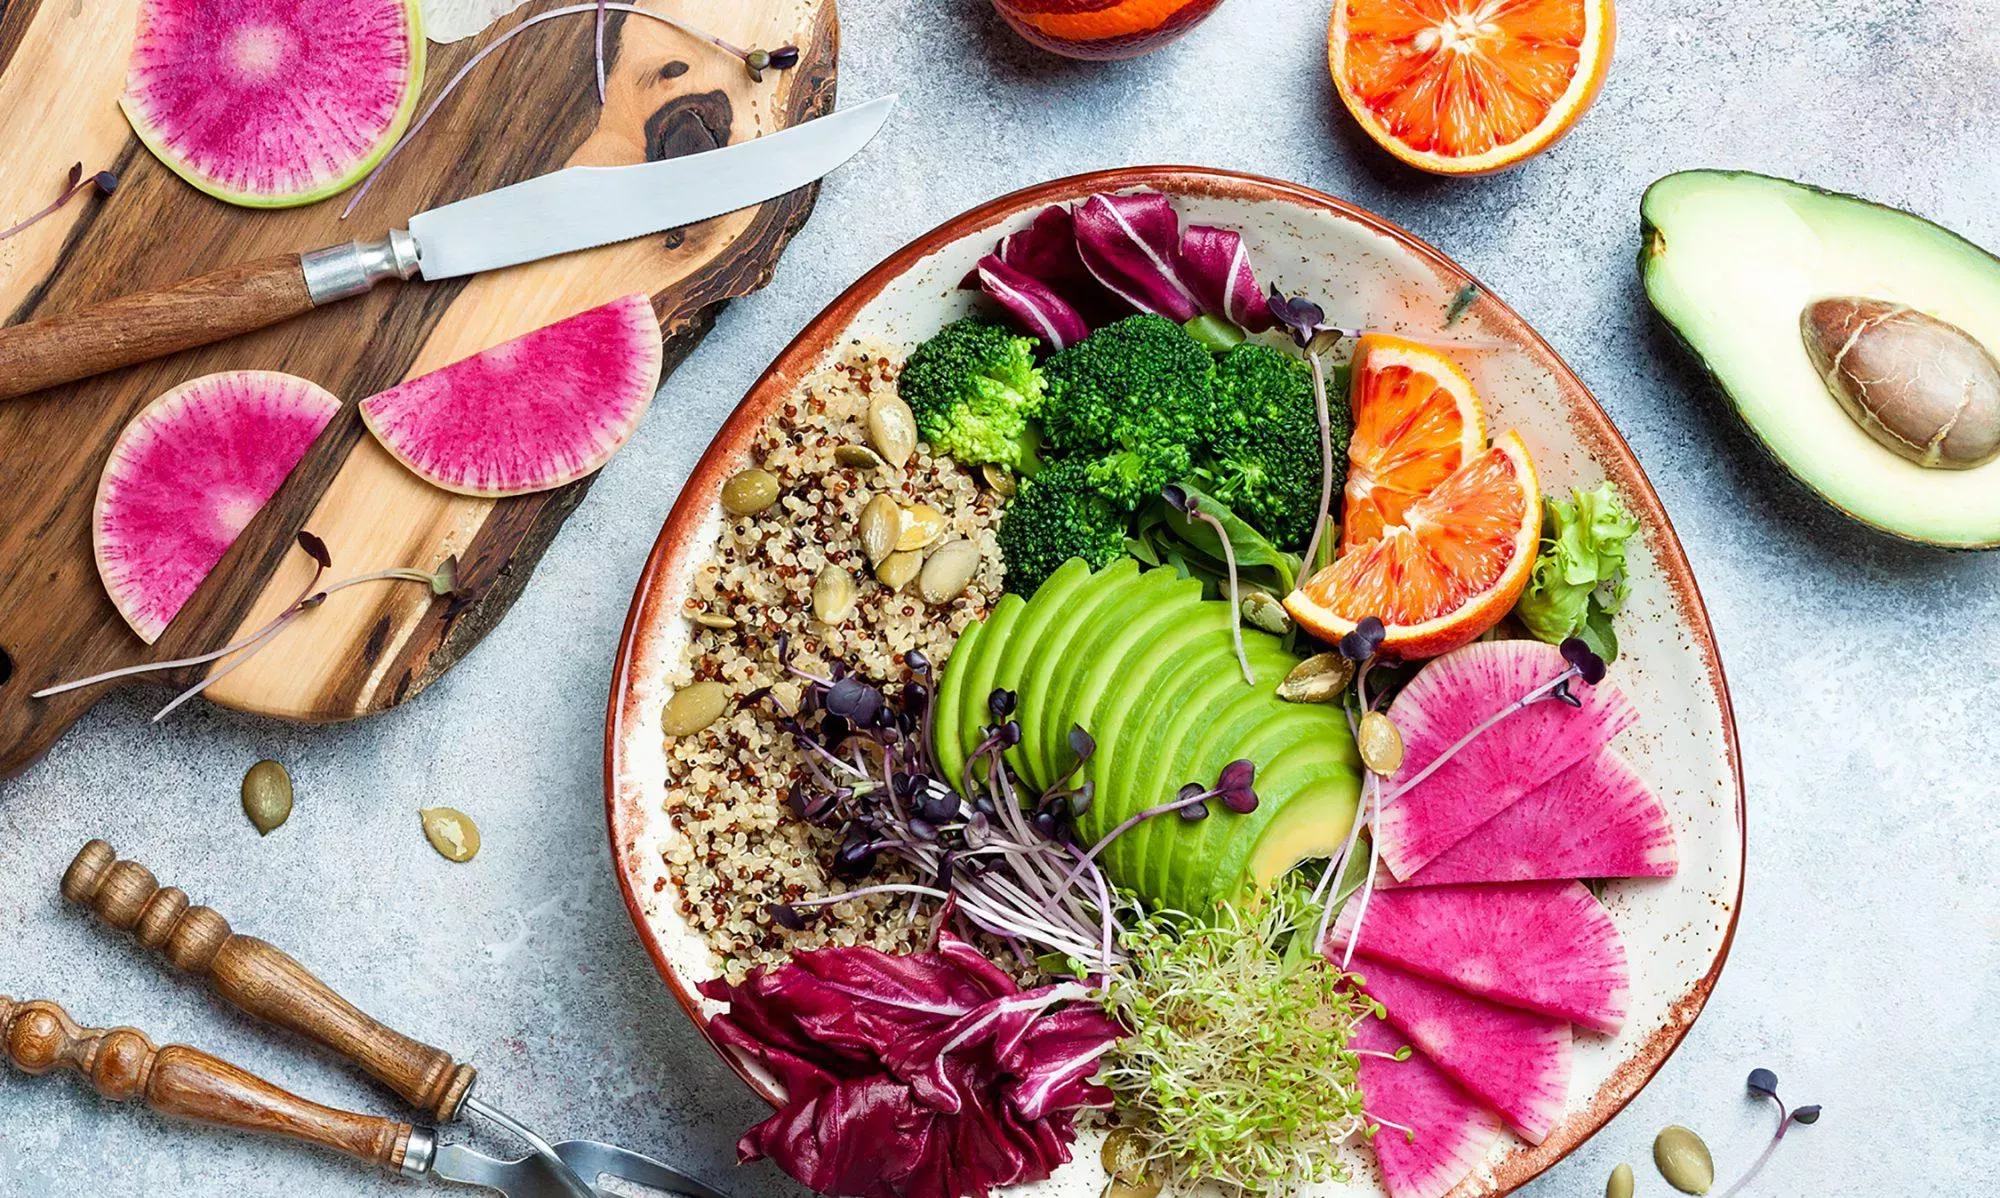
[1540, 946]
[1448, 1130]
[1515, 1061]
[529, 414]
[1596, 819]
[1452, 696]
[186, 476]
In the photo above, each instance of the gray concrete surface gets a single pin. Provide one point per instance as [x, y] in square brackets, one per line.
[1864, 670]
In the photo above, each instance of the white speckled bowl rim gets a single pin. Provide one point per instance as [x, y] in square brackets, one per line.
[1371, 273]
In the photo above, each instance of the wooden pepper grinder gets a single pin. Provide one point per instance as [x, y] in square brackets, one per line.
[262, 979]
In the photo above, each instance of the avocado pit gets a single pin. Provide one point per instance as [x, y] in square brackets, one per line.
[1920, 386]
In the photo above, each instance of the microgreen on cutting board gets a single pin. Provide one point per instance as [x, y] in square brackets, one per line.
[103, 182]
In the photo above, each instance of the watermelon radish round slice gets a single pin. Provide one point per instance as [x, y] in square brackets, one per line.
[185, 477]
[1454, 695]
[1596, 819]
[1516, 1062]
[529, 414]
[1449, 1131]
[272, 103]
[1540, 946]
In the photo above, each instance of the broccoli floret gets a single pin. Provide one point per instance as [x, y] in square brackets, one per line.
[973, 388]
[1266, 462]
[1137, 401]
[1058, 514]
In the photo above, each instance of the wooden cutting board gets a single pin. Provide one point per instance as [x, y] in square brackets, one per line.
[530, 108]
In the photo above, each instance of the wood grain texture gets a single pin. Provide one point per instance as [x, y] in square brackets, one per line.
[122, 1064]
[528, 109]
[261, 979]
[151, 324]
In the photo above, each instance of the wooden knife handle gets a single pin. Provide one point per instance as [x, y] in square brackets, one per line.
[151, 324]
[261, 979]
[122, 1064]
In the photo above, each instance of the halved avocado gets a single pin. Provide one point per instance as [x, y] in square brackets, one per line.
[1732, 261]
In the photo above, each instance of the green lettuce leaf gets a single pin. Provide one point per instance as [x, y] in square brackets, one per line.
[1579, 579]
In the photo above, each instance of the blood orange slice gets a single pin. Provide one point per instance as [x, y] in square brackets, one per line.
[1448, 572]
[1416, 421]
[1462, 87]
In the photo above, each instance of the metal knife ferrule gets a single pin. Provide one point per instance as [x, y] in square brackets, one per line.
[422, 1151]
[340, 271]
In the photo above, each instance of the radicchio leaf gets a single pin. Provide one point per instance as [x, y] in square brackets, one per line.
[1131, 244]
[1214, 264]
[1046, 250]
[1034, 307]
[930, 1075]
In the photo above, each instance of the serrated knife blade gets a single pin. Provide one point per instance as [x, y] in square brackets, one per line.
[580, 207]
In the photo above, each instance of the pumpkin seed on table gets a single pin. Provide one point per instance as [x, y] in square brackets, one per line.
[1381, 744]
[1683, 1159]
[267, 796]
[857, 457]
[1620, 1185]
[693, 707]
[921, 525]
[833, 595]
[451, 832]
[1263, 610]
[892, 429]
[899, 568]
[748, 492]
[880, 525]
[948, 571]
[1321, 678]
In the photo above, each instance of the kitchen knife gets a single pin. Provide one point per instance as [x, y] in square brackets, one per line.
[575, 208]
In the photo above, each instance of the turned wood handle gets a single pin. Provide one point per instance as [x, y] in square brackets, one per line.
[151, 324]
[122, 1064]
[262, 979]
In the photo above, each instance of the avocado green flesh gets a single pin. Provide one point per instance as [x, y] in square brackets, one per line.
[1129, 618]
[1315, 787]
[1055, 595]
[972, 713]
[1049, 652]
[949, 745]
[1731, 260]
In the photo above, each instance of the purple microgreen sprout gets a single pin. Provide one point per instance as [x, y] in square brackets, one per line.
[1181, 501]
[1764, 1084]
[1306, 321]
[783, 58]
[442, 582]
[104, 182]
[1361, 645]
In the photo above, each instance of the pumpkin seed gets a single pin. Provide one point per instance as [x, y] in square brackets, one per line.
[880, 525]
[1381, 743]
[857, 457]
[1117, 1157]
[899, 568]
[267, 796]
[921, 525]
[833, 595]
[892, 429]
[693, 708]
[1620, 1185]
[748, 492]
[709, 619]
[1683, 1160]
[1262, 609]
[451, 832]
[1120, 1188]
[948, 571]
[1321, 678]
[1000, 479]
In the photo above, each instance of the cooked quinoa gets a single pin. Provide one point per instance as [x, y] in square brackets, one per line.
[740, 848]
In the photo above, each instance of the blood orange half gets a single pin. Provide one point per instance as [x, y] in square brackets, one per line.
[1416, 421]
[1462, 87]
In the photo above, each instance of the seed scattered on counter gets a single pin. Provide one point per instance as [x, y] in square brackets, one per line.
[1620, 1185]
[267, 796]
[1683, 1160]
[451, 832]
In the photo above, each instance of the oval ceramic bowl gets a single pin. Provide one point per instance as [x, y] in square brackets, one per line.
[1370, 273]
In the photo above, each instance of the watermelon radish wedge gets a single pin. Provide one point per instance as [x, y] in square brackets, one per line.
[186, 476]
[273, 103]
[1449, 1132]
[1451, 697]
[529, 414]
[1516, 1062]
[1596, 819]
[1540, 946]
